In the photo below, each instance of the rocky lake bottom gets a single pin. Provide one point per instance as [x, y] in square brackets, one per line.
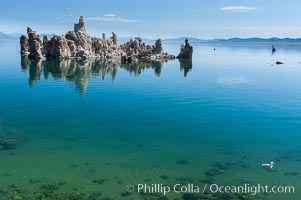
[86, 130]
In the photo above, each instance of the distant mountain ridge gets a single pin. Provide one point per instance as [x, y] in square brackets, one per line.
[238, 40]
[16, 36]
[191, 39]
[9, 36]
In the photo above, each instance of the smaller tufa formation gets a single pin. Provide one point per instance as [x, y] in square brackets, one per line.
[186, 50]
[24, 45]
[136, 49]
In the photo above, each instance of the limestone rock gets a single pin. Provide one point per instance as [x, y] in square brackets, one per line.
[81, 26]
[114, 38]
[136, 49]
[158, 46]
[56, 47]
[34, 44]
[186, 50]
[24, 45]
[78, 44]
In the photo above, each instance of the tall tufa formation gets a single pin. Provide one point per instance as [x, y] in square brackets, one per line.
[79, 45]
[114, 38]
[81, 26]
[158, 46]
[31, 46]
[186, 50]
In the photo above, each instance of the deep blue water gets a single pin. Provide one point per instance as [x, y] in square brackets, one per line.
[76, 123]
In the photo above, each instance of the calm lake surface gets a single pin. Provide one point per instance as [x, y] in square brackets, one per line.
[88, 129]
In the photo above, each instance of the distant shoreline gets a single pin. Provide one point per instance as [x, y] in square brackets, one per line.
[9, 39]
[242, 43]
[212, 42]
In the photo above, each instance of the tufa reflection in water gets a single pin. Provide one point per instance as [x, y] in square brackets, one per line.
[79, 71]
[185, 65]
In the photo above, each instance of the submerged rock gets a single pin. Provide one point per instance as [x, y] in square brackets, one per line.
[291, 173]
[213, 172]
[78, 44]
[186, 50]
[220, 166]
[218, 195]
[8, 144]
[182, 162]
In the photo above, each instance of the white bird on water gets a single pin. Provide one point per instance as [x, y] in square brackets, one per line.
[268, 165]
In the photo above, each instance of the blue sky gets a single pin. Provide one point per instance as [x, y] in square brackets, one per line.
[206, 19]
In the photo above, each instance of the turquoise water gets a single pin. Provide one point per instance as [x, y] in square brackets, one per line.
[88, 129]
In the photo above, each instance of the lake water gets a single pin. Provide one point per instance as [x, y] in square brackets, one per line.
[85, 130]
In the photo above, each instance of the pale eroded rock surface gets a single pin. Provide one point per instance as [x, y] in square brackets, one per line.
[33, 45]
[78, 44]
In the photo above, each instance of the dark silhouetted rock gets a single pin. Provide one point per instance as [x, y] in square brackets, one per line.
[273, 49]
[158, 47]
[186, 50]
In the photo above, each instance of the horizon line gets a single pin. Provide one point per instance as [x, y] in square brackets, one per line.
[17, 34]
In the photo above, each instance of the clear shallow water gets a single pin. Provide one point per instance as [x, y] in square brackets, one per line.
[94, 127]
